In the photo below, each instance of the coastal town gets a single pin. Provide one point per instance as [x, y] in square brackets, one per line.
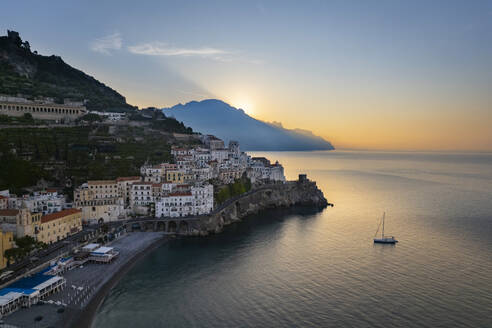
[245, 164]
[90, 183]
[189, 186]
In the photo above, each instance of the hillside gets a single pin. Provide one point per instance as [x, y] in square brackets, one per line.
[68, 156]
[36, 153]
[226, 122]
[29, 74]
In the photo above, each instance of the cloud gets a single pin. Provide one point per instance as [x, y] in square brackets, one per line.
[163, 49]
[107, 43]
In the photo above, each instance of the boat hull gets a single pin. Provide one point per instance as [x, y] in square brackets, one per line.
[385, 241]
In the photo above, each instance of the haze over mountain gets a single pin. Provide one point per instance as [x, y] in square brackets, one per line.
[216, 117]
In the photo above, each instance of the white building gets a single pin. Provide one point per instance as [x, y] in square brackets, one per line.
[234, 149]
[179, 204]
[45, 202]
[219, 155]
[263, 170]
[110, 116]
[141, 197]
[198, 200]
[203, 199]
[203, 173]
[202, 157]
[141, 194]
[152, 173]
[167, 187]
[276, 172]
[177, 151]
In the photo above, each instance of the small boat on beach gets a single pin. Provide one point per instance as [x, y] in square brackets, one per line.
[384, 239]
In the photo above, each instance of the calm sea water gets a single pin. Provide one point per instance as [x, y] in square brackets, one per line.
[295, 268]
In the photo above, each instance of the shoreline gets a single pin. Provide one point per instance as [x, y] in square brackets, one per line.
[295, 194]
[89, 285]
[85, 317]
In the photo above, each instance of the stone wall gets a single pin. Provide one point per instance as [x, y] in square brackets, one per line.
[292, 193]
[42, 111]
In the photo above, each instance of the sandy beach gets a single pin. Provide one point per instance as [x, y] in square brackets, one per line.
[87, 286]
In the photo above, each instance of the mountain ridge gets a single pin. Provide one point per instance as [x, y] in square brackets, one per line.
[216, 117]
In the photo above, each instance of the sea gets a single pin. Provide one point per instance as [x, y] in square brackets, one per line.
[304, 268]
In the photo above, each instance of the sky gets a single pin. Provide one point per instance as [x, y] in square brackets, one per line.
[392, 75]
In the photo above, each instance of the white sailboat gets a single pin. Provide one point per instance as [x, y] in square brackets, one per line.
[384, 239]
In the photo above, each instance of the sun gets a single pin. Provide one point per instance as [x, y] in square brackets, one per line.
[245, 105]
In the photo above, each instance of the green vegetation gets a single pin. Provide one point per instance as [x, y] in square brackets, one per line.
[25, 246]
[69, 156]
[171, 124]
[159, 121]
[16, 173]
[238, 187]
[22, 120]
[90, 118]
[76, 154]
[27, 73]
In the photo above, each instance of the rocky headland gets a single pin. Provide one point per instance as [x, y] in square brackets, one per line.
[302, 192]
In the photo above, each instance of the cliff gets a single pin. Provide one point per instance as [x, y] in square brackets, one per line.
[292, 193]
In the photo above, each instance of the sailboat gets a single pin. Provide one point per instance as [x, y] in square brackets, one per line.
[384, 239]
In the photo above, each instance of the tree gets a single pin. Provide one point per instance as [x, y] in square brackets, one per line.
[223, 195]
[14, 254]
[238, 188]
[91, 118]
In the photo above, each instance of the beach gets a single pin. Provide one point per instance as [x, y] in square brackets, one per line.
[87, 286]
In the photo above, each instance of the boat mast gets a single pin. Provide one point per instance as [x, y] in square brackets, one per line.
[382, 233]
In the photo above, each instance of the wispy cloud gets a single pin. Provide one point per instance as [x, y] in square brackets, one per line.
[164, 49]
[107, 43]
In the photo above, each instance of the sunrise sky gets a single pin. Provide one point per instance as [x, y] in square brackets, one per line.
[409, 75]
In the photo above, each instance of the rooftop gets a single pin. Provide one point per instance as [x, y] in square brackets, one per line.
[102, 250]
[90, 247]
[8, 212]
[142, 183]
[100, 182]
[59, 215]
[127, 178]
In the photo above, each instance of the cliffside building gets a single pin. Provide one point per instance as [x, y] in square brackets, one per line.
[186, 201]
[48, 201]
[41, 109]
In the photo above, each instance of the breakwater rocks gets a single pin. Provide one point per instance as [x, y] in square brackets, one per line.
[292, 193]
